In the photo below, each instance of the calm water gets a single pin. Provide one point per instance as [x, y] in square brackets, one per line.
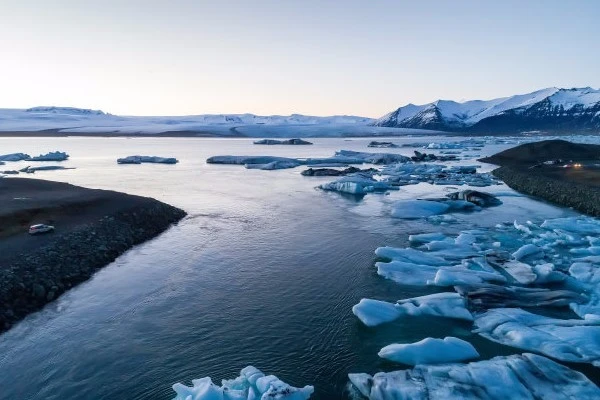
[264, 271]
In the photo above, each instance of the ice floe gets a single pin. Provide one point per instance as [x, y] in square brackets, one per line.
[357, 184]
[31, 170]
[252, 384]
[525, 376]
[147, 159]
[447, 305]
[291, 142]
[430, 351]
[15, 157]
[573, 340]
[52, 156]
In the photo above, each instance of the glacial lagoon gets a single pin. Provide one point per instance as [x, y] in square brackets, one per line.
[264, 271]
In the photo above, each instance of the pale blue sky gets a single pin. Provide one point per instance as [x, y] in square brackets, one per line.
[151, 57]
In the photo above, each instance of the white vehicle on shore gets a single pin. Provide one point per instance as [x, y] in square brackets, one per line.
[40, 228]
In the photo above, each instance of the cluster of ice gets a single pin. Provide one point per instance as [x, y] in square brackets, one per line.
[256, 162]
[430, 351]
[574, 340]
[525, 376]
[553, 264]
[147, 159]
[373, 158]
[447, 305]
[252, 384]
[437, 174]
[51, 156]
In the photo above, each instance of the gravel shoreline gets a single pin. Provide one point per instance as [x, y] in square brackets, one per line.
[583, 198]
[105, 225]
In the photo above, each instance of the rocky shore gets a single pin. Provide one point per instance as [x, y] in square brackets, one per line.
[560, 172]
[93, 227]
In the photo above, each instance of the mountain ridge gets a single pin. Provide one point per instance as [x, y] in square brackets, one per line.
[549, 109]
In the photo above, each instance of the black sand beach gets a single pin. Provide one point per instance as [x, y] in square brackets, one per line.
[93, 227]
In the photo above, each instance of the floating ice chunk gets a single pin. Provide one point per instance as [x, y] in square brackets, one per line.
[426, 237]
[525, 376]
[358, 184]
[373, 158]
[585, 272]
[279, 164]
[527, 250]
[147, 159]
[245, 160]
[462, 275]
[569, 340]
[486, 296]
[15, 157]
[31, 170]
[465, 239]
[409, 255]
[430, 351]
[580, 225]
[376, 312]
[520, 272]
[250, 385]
[406, 273]
[412, 209]
[446, 305]
[295, 142]
[52, 156]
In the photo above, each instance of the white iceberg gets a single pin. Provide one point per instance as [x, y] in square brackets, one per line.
[252, 384]
[430, 351]
[525, 376]
[527, 250]
[571, 340]
[446, 305]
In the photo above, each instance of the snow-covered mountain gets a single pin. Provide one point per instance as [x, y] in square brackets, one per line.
[550, 109]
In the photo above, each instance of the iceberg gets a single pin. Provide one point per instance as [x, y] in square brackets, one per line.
[527, 250]
[486, 296]
[373, 158]
[256, 162]
[570, 340]
[282, 142]
[357, 184]
[31, 170]
[252, 384]
[446, 305]
[430, 351]
[15, 157]
[414, 209]
[147, 159]
[525, 376]
[52, 156]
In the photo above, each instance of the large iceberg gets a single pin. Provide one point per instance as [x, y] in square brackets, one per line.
[430, 351]
[294, 142]
[573, 340]
[357, 184]
[256, 162]
[447, 305]
[525, 376]
[52, 156]
[147, 159]
[15, 157]
[252, 384]
[373, 158]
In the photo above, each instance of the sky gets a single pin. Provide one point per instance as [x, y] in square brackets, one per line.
[183, 57]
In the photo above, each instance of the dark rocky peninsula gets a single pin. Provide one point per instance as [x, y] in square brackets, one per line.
[93, 227]
[558, 171]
